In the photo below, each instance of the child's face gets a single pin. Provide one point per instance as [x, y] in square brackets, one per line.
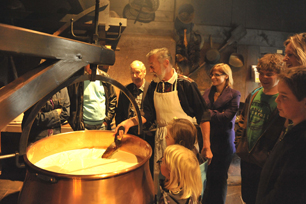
[268, 79]
[164, 169]
[169, 138]
[288, 105]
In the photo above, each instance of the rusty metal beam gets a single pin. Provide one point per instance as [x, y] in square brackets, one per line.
[22, 93]
[34, 43]
[65, 57]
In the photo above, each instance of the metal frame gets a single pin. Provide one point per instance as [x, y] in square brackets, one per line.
[65, 57]
[101, 7]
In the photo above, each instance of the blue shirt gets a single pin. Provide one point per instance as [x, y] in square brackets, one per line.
[94, 102]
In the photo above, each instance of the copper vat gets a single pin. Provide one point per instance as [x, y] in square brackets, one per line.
[132, 185]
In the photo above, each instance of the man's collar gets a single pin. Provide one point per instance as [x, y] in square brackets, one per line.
[173, 78]
[143, 85]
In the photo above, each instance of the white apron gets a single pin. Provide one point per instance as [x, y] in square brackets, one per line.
[167, 106]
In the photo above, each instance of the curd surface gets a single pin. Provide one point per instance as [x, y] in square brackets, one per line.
[87, 162]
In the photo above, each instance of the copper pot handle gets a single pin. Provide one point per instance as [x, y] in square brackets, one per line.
[28, 123]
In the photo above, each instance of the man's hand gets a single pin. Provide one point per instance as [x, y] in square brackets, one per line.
[207, 154]
[129, 123]
[126, 124]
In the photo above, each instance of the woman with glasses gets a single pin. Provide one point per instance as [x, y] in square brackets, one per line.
[295, 52]
[223, 102]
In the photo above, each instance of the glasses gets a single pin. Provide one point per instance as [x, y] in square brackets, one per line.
[215, 75]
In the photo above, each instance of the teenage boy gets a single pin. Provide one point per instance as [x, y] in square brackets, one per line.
[259, 125]
[283, 177]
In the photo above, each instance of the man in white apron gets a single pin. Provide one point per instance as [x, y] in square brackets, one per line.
[171, 95]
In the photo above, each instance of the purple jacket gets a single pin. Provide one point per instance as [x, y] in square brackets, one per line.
[223, 114]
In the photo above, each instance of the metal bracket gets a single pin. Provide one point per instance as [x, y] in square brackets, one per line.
[119, 34]
[16, 155]
[79, 16]
[85, 38]
[95, 37]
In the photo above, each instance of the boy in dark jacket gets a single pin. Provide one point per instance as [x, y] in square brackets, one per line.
[283, 178]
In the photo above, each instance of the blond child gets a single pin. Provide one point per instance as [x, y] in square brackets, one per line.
[181, 131]
[182, 174]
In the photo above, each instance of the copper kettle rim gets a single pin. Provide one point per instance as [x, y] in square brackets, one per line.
[131, 142]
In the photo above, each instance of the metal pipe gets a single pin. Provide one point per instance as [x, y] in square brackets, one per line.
[7, 156]
[95, 36]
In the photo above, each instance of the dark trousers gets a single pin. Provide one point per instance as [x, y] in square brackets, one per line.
[250, 174]
[216, 185]
[150, 138]
[95, 127]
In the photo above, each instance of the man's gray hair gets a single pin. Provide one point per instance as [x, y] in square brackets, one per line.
[161, 54]
[138, 63]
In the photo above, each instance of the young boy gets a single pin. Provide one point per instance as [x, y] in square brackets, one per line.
[283, 177]
[259, 125]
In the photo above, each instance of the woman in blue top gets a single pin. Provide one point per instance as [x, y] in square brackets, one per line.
[223, 103]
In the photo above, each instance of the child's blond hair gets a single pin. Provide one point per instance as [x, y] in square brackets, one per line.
[184, 171]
